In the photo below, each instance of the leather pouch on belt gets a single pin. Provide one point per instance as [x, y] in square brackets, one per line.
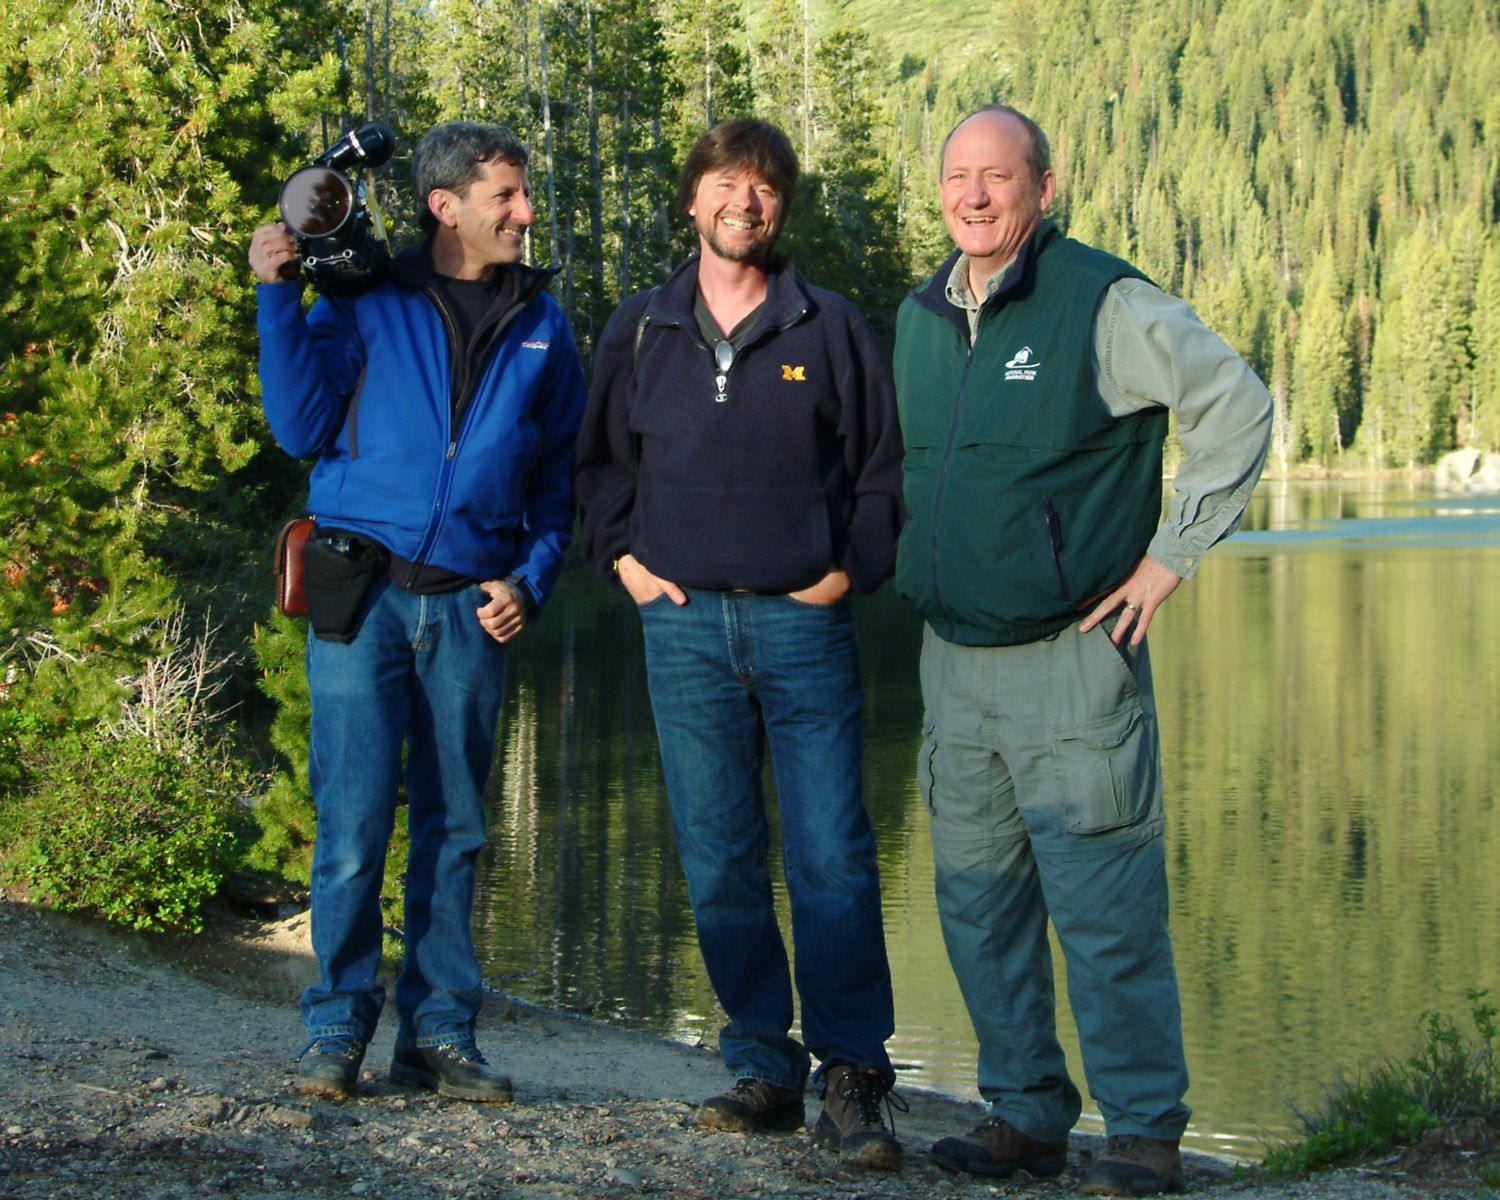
[338, 569]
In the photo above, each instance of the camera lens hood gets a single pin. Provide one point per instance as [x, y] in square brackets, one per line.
[317, 202]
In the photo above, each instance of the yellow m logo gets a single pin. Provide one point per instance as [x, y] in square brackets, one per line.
[797, 373]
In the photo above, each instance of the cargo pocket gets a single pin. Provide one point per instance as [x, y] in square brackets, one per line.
[1105, 771]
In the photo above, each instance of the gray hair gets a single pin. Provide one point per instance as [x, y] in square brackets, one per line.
[451, 156]
[1039, 157]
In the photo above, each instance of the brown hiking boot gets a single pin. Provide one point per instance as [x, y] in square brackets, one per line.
[1134, 1166]
[850, 1122]
[753, 1106]
[996, 1148]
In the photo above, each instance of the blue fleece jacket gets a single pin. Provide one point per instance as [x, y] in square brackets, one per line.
[795, 471]
[459, 461]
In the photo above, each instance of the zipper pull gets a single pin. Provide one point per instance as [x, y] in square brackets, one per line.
[452, 450]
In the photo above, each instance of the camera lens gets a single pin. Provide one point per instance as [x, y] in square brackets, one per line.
[316, 201]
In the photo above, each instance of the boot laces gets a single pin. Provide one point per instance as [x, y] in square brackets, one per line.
[465, 1053]
[337, 1045]
[864, 1090]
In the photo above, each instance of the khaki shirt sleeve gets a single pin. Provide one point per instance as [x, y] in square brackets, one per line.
[1151, 349]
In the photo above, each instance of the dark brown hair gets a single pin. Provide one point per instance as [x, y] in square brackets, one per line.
[741, 145]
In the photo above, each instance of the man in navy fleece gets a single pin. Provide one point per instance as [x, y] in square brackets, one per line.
[441, 406]
[739, 476]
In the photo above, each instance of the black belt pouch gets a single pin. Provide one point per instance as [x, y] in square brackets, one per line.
[338, 567]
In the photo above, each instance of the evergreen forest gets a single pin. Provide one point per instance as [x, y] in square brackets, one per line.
[1321, 179]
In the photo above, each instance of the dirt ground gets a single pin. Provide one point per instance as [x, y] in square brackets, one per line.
[140, 1067]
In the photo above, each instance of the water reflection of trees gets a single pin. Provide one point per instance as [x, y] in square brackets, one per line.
[582, 901]
[1330, 740]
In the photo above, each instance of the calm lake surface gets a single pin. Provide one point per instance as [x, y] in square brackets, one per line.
[1328, 690]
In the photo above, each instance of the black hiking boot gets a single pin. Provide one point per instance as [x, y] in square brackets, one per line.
[454, 1069]
[330, 1067]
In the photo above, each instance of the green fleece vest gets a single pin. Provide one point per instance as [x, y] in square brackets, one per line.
[1027, 499]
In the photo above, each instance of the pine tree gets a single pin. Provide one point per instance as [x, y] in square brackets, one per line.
[1484, 386]
[1320, 368]
[137, 143]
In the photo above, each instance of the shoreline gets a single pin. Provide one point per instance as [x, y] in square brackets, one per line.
[143, 1065]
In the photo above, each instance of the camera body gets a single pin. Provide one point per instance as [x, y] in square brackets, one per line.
[339, 239]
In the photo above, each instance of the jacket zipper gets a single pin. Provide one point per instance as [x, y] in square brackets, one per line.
[459, 398]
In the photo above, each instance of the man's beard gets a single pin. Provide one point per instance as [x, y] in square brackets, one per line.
[757, 248]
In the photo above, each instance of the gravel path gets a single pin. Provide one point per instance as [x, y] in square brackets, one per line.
[140, 1067]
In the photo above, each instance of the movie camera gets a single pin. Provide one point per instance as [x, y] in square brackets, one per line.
[340, 241]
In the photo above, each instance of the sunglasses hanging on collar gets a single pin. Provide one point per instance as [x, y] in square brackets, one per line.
[723, 359]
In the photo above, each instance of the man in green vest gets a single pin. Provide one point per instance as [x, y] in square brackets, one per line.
[1034, 377]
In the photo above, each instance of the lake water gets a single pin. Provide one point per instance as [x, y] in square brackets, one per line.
[1327, 688]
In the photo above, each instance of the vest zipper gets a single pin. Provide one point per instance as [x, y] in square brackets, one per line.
[937, 500]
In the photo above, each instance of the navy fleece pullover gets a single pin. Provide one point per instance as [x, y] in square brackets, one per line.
[795, 471]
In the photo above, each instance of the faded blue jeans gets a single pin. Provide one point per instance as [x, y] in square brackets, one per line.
[727, 672]
[1041, 768]
[421, 671]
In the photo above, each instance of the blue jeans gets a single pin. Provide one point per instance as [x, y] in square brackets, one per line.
[421, 671]
[1041, 768]
[727, 671]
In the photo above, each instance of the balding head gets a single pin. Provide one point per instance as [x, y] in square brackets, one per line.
[1039, 150]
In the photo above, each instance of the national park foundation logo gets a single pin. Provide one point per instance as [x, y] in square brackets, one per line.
[1022, 367]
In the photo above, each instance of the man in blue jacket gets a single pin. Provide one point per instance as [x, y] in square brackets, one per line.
[739, 476]
[442, 406]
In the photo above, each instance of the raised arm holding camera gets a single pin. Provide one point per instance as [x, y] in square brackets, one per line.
[441, 403]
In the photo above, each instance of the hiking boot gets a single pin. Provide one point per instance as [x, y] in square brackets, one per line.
[1134, 1166]
[851, 1122]
[996, 1148]
[454, 1069]
[753, 1106]
[330, 1067]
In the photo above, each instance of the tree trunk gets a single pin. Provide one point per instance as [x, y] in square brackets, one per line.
[369, 60]
[807, 104]
[708, 76]
[596, 173]
[541, 42]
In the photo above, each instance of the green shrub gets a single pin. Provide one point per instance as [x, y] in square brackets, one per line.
[285, 817]
[1445, 1080]
[121, 827]
[135, 818]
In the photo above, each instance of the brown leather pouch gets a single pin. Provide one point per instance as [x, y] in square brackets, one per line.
[291, 542]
